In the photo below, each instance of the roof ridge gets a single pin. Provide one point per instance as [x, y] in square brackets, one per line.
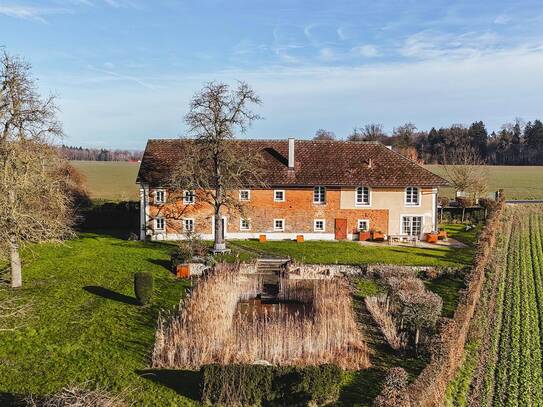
[277, 140]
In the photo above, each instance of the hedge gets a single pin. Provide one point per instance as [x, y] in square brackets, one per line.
[249, 385]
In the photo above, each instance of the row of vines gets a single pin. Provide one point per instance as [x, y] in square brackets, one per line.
[509, 368]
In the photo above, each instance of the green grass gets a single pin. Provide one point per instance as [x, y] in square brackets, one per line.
[448, 288]
[84, 325]
[109, 180]
[332, 252]
[518, 182]
[459, 232]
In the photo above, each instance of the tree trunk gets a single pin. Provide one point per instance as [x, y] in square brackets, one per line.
[219, 245]
[16, 275]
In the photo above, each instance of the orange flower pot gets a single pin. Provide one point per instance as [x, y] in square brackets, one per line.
[300, 238]
[182, 271]
[442, 234]
[262, 238]
[431, 237]
[378, 236]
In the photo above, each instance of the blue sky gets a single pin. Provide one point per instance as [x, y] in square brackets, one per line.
[125, 70]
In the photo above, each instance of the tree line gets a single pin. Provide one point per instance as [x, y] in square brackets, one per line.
[99, 154]
[517, 143]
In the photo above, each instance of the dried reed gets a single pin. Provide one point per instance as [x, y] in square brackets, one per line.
[378, 308]
[207, 328]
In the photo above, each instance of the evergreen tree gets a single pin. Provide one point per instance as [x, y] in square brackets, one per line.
[478, 137]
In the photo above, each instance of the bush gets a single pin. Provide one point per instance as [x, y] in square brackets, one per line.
[248, 385]
[143, 286]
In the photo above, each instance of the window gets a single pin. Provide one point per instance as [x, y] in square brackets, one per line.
[362, 196]
[412, 225]
[319, 225]
[244, 224]
[188, 225]
[279, 195]
[319, 195]
[279, 225]
[412, 196]
[160, 224]
[189, 197]
[363, 225]
[244, 195]
[160, 196]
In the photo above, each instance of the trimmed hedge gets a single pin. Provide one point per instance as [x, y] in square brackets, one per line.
[143, 286]
[250, 385]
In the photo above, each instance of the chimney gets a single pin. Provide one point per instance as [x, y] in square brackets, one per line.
[291, 153]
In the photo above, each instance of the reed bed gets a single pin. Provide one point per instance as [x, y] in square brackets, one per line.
[208, 329]
[378, 308]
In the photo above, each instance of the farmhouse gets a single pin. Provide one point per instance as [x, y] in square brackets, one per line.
[322, 190]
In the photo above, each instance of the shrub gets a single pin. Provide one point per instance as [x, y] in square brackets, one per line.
[248, 385]
[143, 286]
[394, 389]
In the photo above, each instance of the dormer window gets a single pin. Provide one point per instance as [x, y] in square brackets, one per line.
[412, 196]
[362, 196]
[189, 197]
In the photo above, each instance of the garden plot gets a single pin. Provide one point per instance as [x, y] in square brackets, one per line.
[210, 326]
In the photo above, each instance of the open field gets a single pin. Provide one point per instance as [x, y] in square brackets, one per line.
[503, 363]
[518, 182]
[110, 180]
[117, 180]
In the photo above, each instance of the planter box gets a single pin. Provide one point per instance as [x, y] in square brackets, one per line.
[431, 237]
[364, 236]
[300, 238]
[262, 238]
[378, 236]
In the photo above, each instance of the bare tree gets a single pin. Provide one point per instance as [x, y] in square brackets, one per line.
[34, 206]
[219, 165]
[322, 134]
[466, 171]
[370, 132]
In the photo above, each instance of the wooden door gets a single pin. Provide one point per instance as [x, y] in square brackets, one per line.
[341, 229]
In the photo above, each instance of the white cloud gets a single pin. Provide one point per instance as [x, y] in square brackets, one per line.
[29, 12]
[502, 19]
[367, 51]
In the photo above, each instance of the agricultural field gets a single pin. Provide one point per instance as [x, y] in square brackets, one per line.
[110, 180]
[503, 361]
[116, 181]
[518, 182]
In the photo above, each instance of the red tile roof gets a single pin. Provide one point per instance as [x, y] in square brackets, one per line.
[330, 163]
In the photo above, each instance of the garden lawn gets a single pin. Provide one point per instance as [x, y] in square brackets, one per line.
[332, 252]
[84, 325]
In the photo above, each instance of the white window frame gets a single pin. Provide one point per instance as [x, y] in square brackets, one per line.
[412, 216]
[248, 224]
[157, 219]
[315, 229]
[275, 191]
[275, 228]
[187, 202]
[356, 196]
[185, 225]
[358, 228]
[160, 201]
[248, 195]
[323, 202]
[418, 195]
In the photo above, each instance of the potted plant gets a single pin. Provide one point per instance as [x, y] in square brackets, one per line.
[364, 235]
[442, 234]
[432, 237]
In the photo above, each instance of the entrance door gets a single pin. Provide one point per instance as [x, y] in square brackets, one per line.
[341, 229]
[412, 225]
